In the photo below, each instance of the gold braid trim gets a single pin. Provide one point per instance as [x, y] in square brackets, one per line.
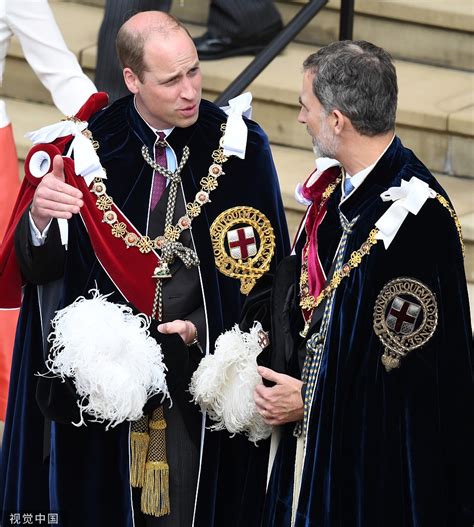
[453, 215]
[155, 498]
[330, 189]
[139, 442]
[157, 425]
[310, 302]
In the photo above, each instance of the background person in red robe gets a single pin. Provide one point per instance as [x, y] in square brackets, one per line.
[9, 184]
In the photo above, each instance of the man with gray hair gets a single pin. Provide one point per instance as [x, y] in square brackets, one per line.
[369, 383]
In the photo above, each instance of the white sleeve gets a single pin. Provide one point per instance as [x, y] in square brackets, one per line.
[33, 23]
[38, 238]
[5, 37]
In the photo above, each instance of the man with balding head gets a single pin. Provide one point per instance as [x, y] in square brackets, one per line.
[169, 187]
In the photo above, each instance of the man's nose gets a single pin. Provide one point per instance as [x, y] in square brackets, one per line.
[301, 117]
[188, 90]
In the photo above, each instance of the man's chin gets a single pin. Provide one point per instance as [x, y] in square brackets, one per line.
[324, 152]
[188, 120]
[318, 152]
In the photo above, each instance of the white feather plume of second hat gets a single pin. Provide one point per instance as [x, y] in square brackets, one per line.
[224, 382]
[116, 366]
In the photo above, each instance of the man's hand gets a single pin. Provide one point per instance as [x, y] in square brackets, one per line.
[54, 198]
[185, 329]
[281, 403]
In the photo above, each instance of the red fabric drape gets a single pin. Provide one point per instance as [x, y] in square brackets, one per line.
[9, 186]
[130, 269]
[10, 276]
[316, 275]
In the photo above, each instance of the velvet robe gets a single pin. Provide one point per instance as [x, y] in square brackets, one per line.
[384, 449]
[84, 474]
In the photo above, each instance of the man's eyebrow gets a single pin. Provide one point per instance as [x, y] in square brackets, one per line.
[178, 75]
[301, 103]
[169, 79]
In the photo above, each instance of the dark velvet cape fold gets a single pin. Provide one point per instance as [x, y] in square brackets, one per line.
[383, 449]
[87, 473]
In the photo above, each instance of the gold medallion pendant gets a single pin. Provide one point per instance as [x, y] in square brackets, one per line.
[405, 318]
[243, 243]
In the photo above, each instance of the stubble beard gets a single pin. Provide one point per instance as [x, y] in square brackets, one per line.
[326, 144]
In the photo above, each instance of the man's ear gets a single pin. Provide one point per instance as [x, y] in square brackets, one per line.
[131, 80]
[339, 121]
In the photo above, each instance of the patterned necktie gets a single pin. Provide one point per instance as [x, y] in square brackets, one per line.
[159, 181]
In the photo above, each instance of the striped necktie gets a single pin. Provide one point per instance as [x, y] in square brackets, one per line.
[159, 181]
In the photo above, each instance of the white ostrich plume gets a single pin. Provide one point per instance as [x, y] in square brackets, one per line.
[107, 350]
[224, 382]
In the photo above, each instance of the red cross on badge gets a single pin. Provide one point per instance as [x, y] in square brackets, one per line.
[242, 243]
[402, 316]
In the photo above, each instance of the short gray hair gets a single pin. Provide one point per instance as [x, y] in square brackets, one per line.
[358, 79]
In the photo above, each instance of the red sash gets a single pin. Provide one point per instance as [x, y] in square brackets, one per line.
[129, 269]
[316, 275]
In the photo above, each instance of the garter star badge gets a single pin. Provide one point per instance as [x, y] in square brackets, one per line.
[243, 243]
[405, 318]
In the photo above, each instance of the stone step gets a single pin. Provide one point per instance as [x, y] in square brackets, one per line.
[293, 166]
[79, 25]
[435, 110]
[27, 116]
[435, 32]
[470, 291]
[436, 105]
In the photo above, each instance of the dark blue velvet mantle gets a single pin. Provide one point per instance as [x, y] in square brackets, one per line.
[86, 477]
[383, 449]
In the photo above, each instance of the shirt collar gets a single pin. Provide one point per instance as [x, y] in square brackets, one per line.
[166, 131]
[359, 177]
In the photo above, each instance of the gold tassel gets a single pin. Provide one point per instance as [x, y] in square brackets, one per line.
[139, 442]
[155, 491]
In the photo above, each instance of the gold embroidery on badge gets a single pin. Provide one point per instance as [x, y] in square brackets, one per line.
[246, 251]
[405, 318]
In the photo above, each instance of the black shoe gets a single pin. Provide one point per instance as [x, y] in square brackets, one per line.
[211, 47]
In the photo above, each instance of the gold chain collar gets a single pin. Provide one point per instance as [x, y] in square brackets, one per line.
[309, 302]
[172, 233]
